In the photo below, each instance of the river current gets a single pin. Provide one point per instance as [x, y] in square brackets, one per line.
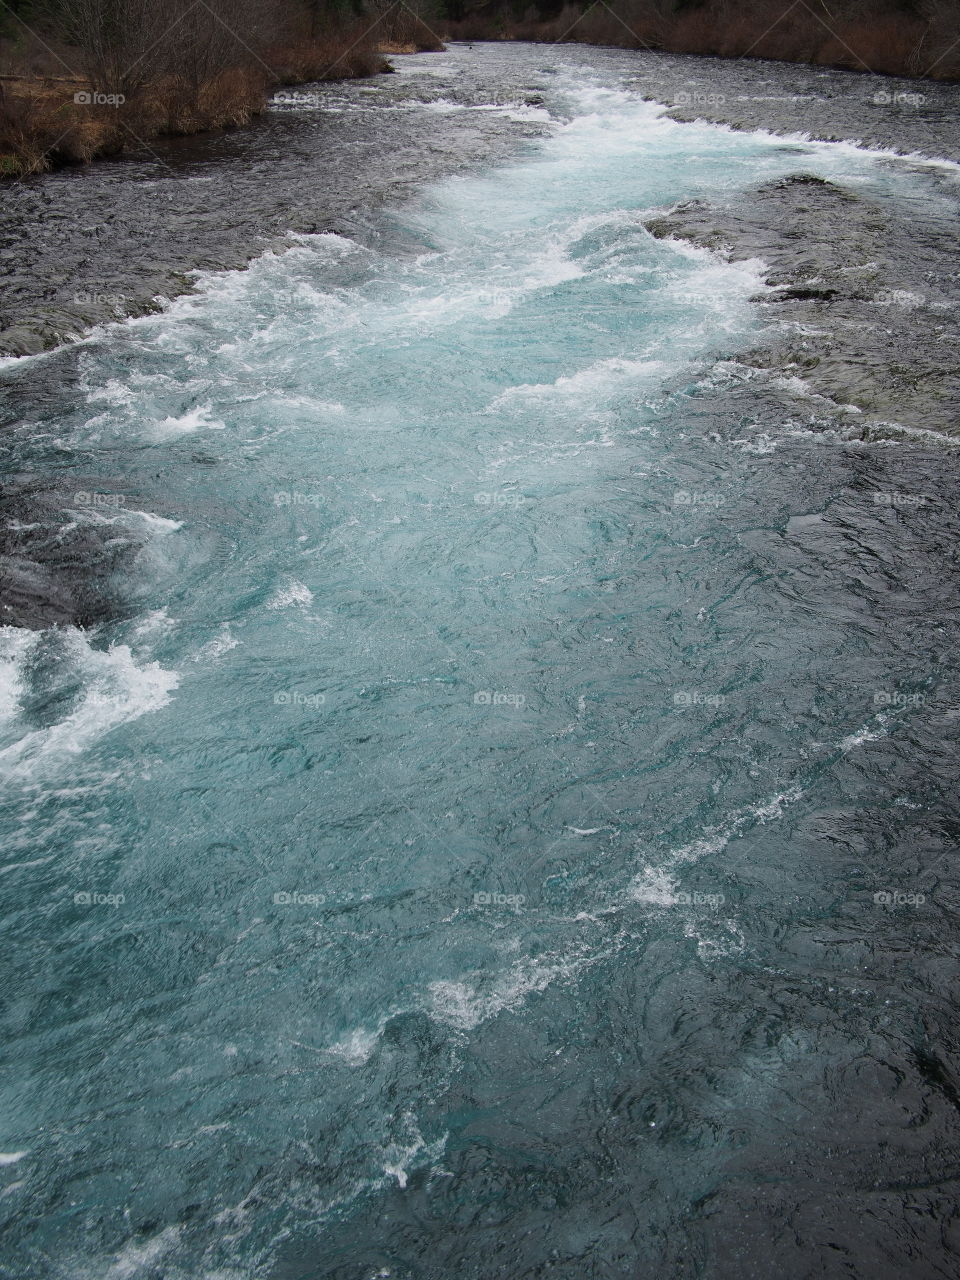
[498, 817]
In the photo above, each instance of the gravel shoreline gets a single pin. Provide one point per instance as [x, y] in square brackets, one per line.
[862, 339]
[864, 318]
[84, 247]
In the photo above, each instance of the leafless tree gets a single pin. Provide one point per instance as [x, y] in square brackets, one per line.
[115, 38]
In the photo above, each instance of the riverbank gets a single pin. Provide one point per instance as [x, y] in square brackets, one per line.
[856, 336]
[126, 236]
[92, 245]
[917, 41]
[53, 121]
[861, 325]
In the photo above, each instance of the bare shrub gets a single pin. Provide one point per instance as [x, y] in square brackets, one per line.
[405, 28]
[27, 127]
[168, 67]
[886, 44]
[345, 54]
[40, 122]
[112, 38]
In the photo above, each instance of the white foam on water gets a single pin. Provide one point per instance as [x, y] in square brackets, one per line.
[116, 690]
[401, 1157]
[867, 734]
[135, 1259]
[15, 644]
[157, 524]
[333, 244]
[796, 386]
[152, 626]
[293, 593]
[715, 940]
[602, 378]
[521, 112]
[12, 1157]
[761, 447]
[114, 393]
[311, 403]
[772, 810]
[272, 271]
[193, 420]
[846, 148]
[442, 107]
[655, 884]
[356, 1048]
[219, 645]
[721, 290]
[273, 267]
[466, 1002]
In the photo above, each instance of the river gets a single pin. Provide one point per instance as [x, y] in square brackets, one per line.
[478, 760]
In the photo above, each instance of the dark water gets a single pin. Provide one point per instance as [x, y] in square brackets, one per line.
[489, 807]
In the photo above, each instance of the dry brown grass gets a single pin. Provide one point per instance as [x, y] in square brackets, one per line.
[890, 45]
[889, 42]
[404, 32]
[174, 106]
[27, 127]
[41, 125]
[350, 54]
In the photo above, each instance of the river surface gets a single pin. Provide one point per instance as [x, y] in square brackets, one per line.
[488, 806]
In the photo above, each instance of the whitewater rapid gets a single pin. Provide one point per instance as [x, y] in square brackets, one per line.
[447, 855]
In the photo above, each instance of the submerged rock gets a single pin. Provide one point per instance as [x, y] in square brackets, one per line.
[862, 299]
[59, 566]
